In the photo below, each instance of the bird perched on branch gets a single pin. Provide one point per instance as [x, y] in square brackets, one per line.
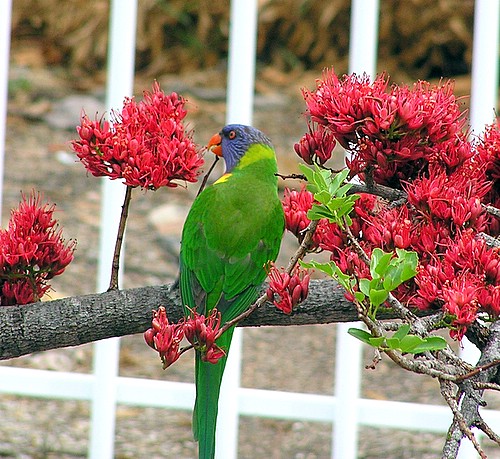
[231, 234]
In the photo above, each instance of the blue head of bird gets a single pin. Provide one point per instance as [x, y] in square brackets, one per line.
[233, 141]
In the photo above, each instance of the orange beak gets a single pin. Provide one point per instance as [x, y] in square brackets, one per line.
[215, 145]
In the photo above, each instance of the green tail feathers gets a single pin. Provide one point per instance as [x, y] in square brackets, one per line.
[208, 380]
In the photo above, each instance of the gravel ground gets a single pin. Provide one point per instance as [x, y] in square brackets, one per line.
[289, 359]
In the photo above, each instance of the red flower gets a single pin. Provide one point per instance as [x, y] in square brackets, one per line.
[146, 146]
[315, 146]
[329, 236]
[389, 229]
[296, 204]
[460, 300]
[291, 290]
[164, 337]
[202, 332]
[32, 251]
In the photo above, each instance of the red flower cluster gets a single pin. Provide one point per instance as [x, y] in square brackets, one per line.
[165, 337]
[489, 152]
[464, 281]
[290, 289]
[296, 205]
[411, 138]
[201, 332]
[316, 146]
[390, 132]
[32, 251]
[146, 145]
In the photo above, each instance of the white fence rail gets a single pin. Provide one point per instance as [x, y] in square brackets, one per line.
[104, 388]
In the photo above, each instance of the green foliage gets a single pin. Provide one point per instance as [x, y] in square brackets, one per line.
[400, 341]
[388, 272]
[330, 191]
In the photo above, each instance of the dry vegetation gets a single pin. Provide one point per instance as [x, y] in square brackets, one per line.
[418, 38]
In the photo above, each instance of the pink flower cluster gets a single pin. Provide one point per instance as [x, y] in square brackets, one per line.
[411, 139]
[32, 251]
[165, 337]
[286, 291]
[391, 132]
[146, 145]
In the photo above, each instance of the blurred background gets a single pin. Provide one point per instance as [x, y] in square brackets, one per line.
[418, 38]
[58, 67]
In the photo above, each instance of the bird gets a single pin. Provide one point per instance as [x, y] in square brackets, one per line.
[231, 234]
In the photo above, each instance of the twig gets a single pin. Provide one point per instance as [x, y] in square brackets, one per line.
[375, 361]
[478, 370]
[291, 176]
[205, 179]
[492, 210]
[485, 385]
[113, 283]
[491, 241]
[391, 194]
[488, 431]
[304, 247]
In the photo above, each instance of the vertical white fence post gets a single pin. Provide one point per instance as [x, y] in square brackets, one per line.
[120, 83]
[240, 95]
[483, 103]
[5, 21]
[484, 84]
[362, 58]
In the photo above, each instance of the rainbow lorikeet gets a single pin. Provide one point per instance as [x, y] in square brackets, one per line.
[232, 232]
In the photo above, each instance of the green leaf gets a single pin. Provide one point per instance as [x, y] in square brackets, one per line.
[409, 262]
[377, 342]
[364, 286]
[362, 335]
[402, 331]
[323, 197]
[431, 343]
[410, 342]
[307, 171]
[377, 297]
[360, 296]
[344, 189]
[379, 263]
[393, 343]
[337, 180]
[327, 268]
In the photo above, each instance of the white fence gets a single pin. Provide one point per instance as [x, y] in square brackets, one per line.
[104, 388]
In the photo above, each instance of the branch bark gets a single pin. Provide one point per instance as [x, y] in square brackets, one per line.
[82, 319]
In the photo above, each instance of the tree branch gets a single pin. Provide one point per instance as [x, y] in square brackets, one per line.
[78, 320]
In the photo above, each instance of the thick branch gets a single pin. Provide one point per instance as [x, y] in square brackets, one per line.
[83, 319]
[78, 320]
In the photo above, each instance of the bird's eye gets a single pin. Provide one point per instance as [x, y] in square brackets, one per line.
[231, 135]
